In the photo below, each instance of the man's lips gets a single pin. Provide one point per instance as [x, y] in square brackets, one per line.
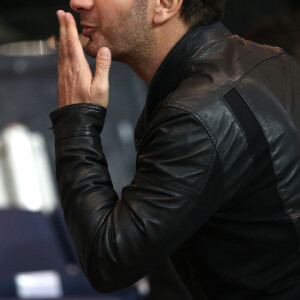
[87, 29]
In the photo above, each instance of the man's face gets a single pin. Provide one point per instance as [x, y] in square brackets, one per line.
[120, 25]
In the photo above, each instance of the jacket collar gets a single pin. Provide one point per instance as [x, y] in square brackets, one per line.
[174, 69]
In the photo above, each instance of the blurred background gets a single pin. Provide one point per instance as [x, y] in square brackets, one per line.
[37, 259]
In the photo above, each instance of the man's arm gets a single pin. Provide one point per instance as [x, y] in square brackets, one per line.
[177, 186]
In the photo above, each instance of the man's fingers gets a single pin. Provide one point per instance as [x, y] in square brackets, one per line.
[101, 81]
[75, 77]
[61, 19]
[70, 45]
[61, 15]
[74, 46]
[103, 62]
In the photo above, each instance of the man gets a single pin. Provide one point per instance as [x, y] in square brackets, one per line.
[217, 185]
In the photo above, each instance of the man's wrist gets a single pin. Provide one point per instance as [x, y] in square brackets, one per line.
[82, 119]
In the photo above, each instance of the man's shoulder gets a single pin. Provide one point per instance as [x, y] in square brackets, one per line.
[209, 75]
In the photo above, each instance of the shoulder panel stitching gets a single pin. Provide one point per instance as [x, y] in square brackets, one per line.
[208, 131]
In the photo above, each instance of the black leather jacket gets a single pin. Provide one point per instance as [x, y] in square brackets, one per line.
[217, 185]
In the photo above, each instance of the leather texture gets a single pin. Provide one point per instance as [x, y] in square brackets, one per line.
[217, 185]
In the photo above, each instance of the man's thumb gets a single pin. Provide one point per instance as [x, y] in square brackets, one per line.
[103, 62]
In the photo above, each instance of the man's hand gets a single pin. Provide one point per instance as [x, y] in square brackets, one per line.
[76, 83]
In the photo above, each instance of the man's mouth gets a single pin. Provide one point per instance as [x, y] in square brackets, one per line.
[87, 29]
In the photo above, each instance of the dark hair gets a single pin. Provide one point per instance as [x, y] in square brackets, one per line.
[202, 11]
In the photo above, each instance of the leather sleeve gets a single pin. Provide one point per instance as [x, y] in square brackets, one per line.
[176, 188]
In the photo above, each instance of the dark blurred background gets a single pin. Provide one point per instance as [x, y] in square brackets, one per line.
[35, 19]
[28, 91]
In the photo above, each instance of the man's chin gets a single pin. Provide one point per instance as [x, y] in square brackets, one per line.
[90, 49]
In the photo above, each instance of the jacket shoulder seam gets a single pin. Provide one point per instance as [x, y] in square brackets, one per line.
[197, 117]
[209, 133]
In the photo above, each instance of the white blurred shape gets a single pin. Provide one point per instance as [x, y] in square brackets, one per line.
[125, 131]
[27, 170]
[4, 198]
[48, 194]
[143, 286]
[39, 285]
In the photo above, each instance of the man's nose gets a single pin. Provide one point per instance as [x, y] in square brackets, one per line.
[81, 5]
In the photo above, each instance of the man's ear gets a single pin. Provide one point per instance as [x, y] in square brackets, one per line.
[165, 10]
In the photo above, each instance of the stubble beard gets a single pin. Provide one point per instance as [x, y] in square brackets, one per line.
[129, 38]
